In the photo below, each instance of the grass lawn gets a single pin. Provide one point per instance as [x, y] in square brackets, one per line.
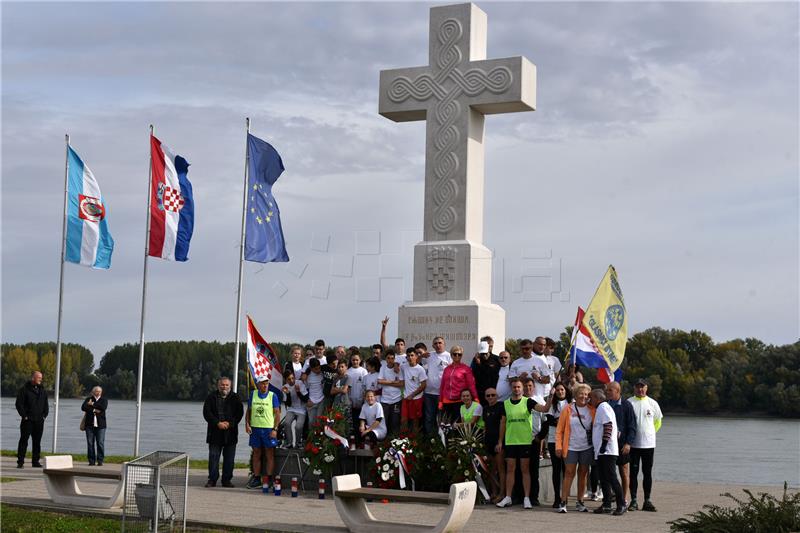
[117, 459]
[19, 519]
[8, 479]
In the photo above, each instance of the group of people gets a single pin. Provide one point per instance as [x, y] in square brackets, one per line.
[529, 409]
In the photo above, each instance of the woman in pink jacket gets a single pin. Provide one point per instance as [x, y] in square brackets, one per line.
[456, 378]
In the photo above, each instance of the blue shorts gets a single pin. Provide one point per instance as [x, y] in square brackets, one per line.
[260, 437]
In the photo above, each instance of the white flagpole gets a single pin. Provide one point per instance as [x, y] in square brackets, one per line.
[144, 295]
[61, 295]
[241, 263]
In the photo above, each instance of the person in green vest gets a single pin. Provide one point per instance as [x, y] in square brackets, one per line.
[263, 416]
[516, 427]
[471, 411]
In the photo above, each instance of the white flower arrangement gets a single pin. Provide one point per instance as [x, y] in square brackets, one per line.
[385, 476]
[316, 472]
[378, 460]
[386, 467]
[328, 458]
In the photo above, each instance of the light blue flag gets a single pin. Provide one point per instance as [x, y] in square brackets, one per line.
[89, 241]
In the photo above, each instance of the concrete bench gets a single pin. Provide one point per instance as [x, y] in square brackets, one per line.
[350, 499]
[60, 478]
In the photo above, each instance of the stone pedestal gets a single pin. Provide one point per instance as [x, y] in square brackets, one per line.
[459, 322]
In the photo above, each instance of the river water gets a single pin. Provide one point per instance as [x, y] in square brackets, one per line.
[751, 451]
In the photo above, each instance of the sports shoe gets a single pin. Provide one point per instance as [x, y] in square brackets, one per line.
[580, 507]
[602, 510]
[210, 484]
[556, 504]
[648, 506]
[254, 483]
[597, 496]
[505, 502]
[526, 503]
[562, 508]
[619, 511]
[227, 484]
[20, 465]
[536, 503]
[633, 506]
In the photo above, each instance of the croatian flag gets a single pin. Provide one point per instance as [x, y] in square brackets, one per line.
[262, 359]
[171, 204]
[584, 352]
[88, 242]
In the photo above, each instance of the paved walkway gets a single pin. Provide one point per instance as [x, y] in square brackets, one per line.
[249, 509]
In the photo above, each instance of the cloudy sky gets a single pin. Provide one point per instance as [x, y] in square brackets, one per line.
[665, 142]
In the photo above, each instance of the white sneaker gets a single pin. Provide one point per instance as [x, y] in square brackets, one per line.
[597, 496]
[526, 503]
[505, 502]
[581, 508]
[562, 508]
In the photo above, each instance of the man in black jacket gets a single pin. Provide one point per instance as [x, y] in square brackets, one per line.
[33, 408]
[94, 420]
[486, 368]
[223, 411]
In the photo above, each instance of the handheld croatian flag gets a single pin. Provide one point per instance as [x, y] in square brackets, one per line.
[606, 320]
[264, 241]
[584, 353]
[171, 204]
[262, 359]
[88, 240]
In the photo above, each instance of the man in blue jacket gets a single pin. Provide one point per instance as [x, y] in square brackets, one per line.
[626, 426]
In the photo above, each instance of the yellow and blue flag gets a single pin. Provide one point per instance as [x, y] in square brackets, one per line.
[606, 320]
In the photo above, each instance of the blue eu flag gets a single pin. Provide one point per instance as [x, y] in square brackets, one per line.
[264, 236]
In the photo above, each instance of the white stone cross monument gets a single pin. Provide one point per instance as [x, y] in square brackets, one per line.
[452, 267]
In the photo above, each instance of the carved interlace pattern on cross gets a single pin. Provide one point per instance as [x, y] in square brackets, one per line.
[470, 82]
[441, 268]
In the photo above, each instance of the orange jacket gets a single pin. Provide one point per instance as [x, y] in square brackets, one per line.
[563, 429]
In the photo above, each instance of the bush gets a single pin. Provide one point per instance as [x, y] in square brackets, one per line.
[758, 514]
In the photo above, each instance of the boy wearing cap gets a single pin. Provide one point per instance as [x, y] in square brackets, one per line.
[648, 422]
[263, 414]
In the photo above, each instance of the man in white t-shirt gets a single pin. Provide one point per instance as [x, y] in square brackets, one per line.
[434, 363]
[547, 365]
[606, 451]
[648, 422]
[523, 366]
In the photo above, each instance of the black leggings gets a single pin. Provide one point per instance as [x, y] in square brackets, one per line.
[646, 456]
[558, 469]
[607, 466]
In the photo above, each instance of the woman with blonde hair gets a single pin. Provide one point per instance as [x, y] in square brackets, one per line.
[574, 443]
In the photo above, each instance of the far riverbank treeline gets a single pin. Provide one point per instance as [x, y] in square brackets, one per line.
[687, 371]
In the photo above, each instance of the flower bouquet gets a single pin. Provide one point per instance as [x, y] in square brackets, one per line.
[321, 448]
[395, 461]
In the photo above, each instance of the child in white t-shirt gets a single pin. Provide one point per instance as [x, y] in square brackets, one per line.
[372, 423]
